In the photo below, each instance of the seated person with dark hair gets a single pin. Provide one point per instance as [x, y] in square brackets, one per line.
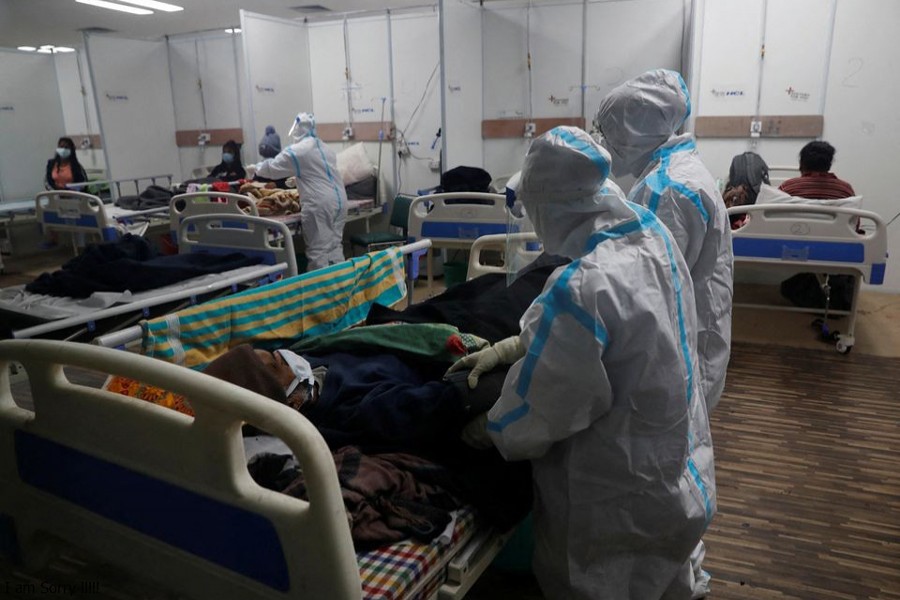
[816, 182]
[230, 169]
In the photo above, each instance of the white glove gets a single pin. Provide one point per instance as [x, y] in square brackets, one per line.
[504, 352]
[251, 171]
[291, 182]
[475, 434]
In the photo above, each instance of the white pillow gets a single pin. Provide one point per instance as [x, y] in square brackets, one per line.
[772, 195]
[354, 165]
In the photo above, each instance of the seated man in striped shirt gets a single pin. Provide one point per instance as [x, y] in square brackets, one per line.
[816, 182]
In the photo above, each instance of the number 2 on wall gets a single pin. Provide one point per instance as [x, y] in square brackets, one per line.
[856, 65]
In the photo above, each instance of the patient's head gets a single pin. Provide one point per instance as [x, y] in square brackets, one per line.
[256, 370]
[816, 157]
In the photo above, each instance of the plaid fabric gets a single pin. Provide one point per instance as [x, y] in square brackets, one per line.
[391, 573]
[315, 303]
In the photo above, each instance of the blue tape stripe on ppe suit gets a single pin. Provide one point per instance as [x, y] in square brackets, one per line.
[655, 226]
[659, 180]
[334, 185]
[295, 161]
[586, 149]
[687, 98]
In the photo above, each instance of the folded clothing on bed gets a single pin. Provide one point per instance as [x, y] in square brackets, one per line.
[130, 264]
[155, 196]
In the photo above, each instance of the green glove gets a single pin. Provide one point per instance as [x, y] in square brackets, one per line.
[504, 352]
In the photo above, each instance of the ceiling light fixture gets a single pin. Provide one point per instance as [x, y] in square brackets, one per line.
[63, 49]
[113, 6]
[233, 30]
[153, 4]
[44, 51]
[27, 48]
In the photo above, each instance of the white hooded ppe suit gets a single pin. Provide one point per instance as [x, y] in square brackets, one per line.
[638, 121]
[605, 402]
[323, 200]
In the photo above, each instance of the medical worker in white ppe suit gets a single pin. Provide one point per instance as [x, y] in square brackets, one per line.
[638, 121]
[603, 394]
[323, 200]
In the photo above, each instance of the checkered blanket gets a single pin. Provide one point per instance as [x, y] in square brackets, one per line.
[391, 573]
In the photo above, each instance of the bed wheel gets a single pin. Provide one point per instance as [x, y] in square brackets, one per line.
[842, 347]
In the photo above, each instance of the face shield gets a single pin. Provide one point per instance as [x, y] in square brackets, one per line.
[522, 243]
[304, 125]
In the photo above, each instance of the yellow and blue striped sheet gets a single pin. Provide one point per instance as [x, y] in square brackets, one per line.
[315, 303]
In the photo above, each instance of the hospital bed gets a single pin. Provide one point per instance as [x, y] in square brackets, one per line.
[86, 214]
[114, 186]
[796, 238]
[456, 220]
[514, 251]
[778, 174]
[254, 236]
[99, 487]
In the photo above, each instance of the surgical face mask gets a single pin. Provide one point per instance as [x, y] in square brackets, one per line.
[63, 152]
[227, 157]
[299, 367]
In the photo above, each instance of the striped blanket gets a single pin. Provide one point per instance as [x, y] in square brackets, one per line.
[276, 315]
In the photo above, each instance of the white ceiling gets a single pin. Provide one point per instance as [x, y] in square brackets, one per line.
[39, 22]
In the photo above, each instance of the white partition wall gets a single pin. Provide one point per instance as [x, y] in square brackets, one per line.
[79, 108]
[31, 121]
[277, 67]
[578, 52]
[205, 88]
[734, 78]
[134, 104]
[417, 94]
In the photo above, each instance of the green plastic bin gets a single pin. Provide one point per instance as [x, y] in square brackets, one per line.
[516, 554]
[455, 273]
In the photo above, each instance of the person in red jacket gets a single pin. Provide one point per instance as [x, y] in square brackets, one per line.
[816, 182]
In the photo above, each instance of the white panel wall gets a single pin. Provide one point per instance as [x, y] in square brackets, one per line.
[78, 106]
[327, 63]
[461, 39]
[31, 121]
[417, 78]
[209, 61]
[624, 39]
[131, 80]
[276, 59]
[861, 110]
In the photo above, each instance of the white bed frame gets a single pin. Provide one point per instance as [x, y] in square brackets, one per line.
[458, 224]
[81, 213]
[206, 234]
[527, 249]
[797, 238]
[193, 204]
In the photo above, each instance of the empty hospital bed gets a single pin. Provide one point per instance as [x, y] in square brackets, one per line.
[99, 487]
[456, 220]
[795, 238]
[41, 315]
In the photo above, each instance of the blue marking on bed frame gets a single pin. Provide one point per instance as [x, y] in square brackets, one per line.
[801, 251]
[877, 275]
[460, 230]
[53, 218]
[231, 537]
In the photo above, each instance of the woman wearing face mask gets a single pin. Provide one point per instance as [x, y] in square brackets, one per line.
[64, 167]
[230, 169]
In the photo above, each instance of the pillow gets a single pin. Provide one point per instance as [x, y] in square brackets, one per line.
[772, 195]
[354, 165]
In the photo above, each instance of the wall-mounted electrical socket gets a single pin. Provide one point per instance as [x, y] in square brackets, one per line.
[402, 149]
[85, 143]
[530, 129]
[755, 128]
[203, 139]
[347, 134]
[434, 164]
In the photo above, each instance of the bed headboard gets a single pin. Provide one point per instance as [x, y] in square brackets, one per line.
[77, 212]
[162, 494]
[253, 236]
[192, 204]
[460, 217]
[822, 237]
